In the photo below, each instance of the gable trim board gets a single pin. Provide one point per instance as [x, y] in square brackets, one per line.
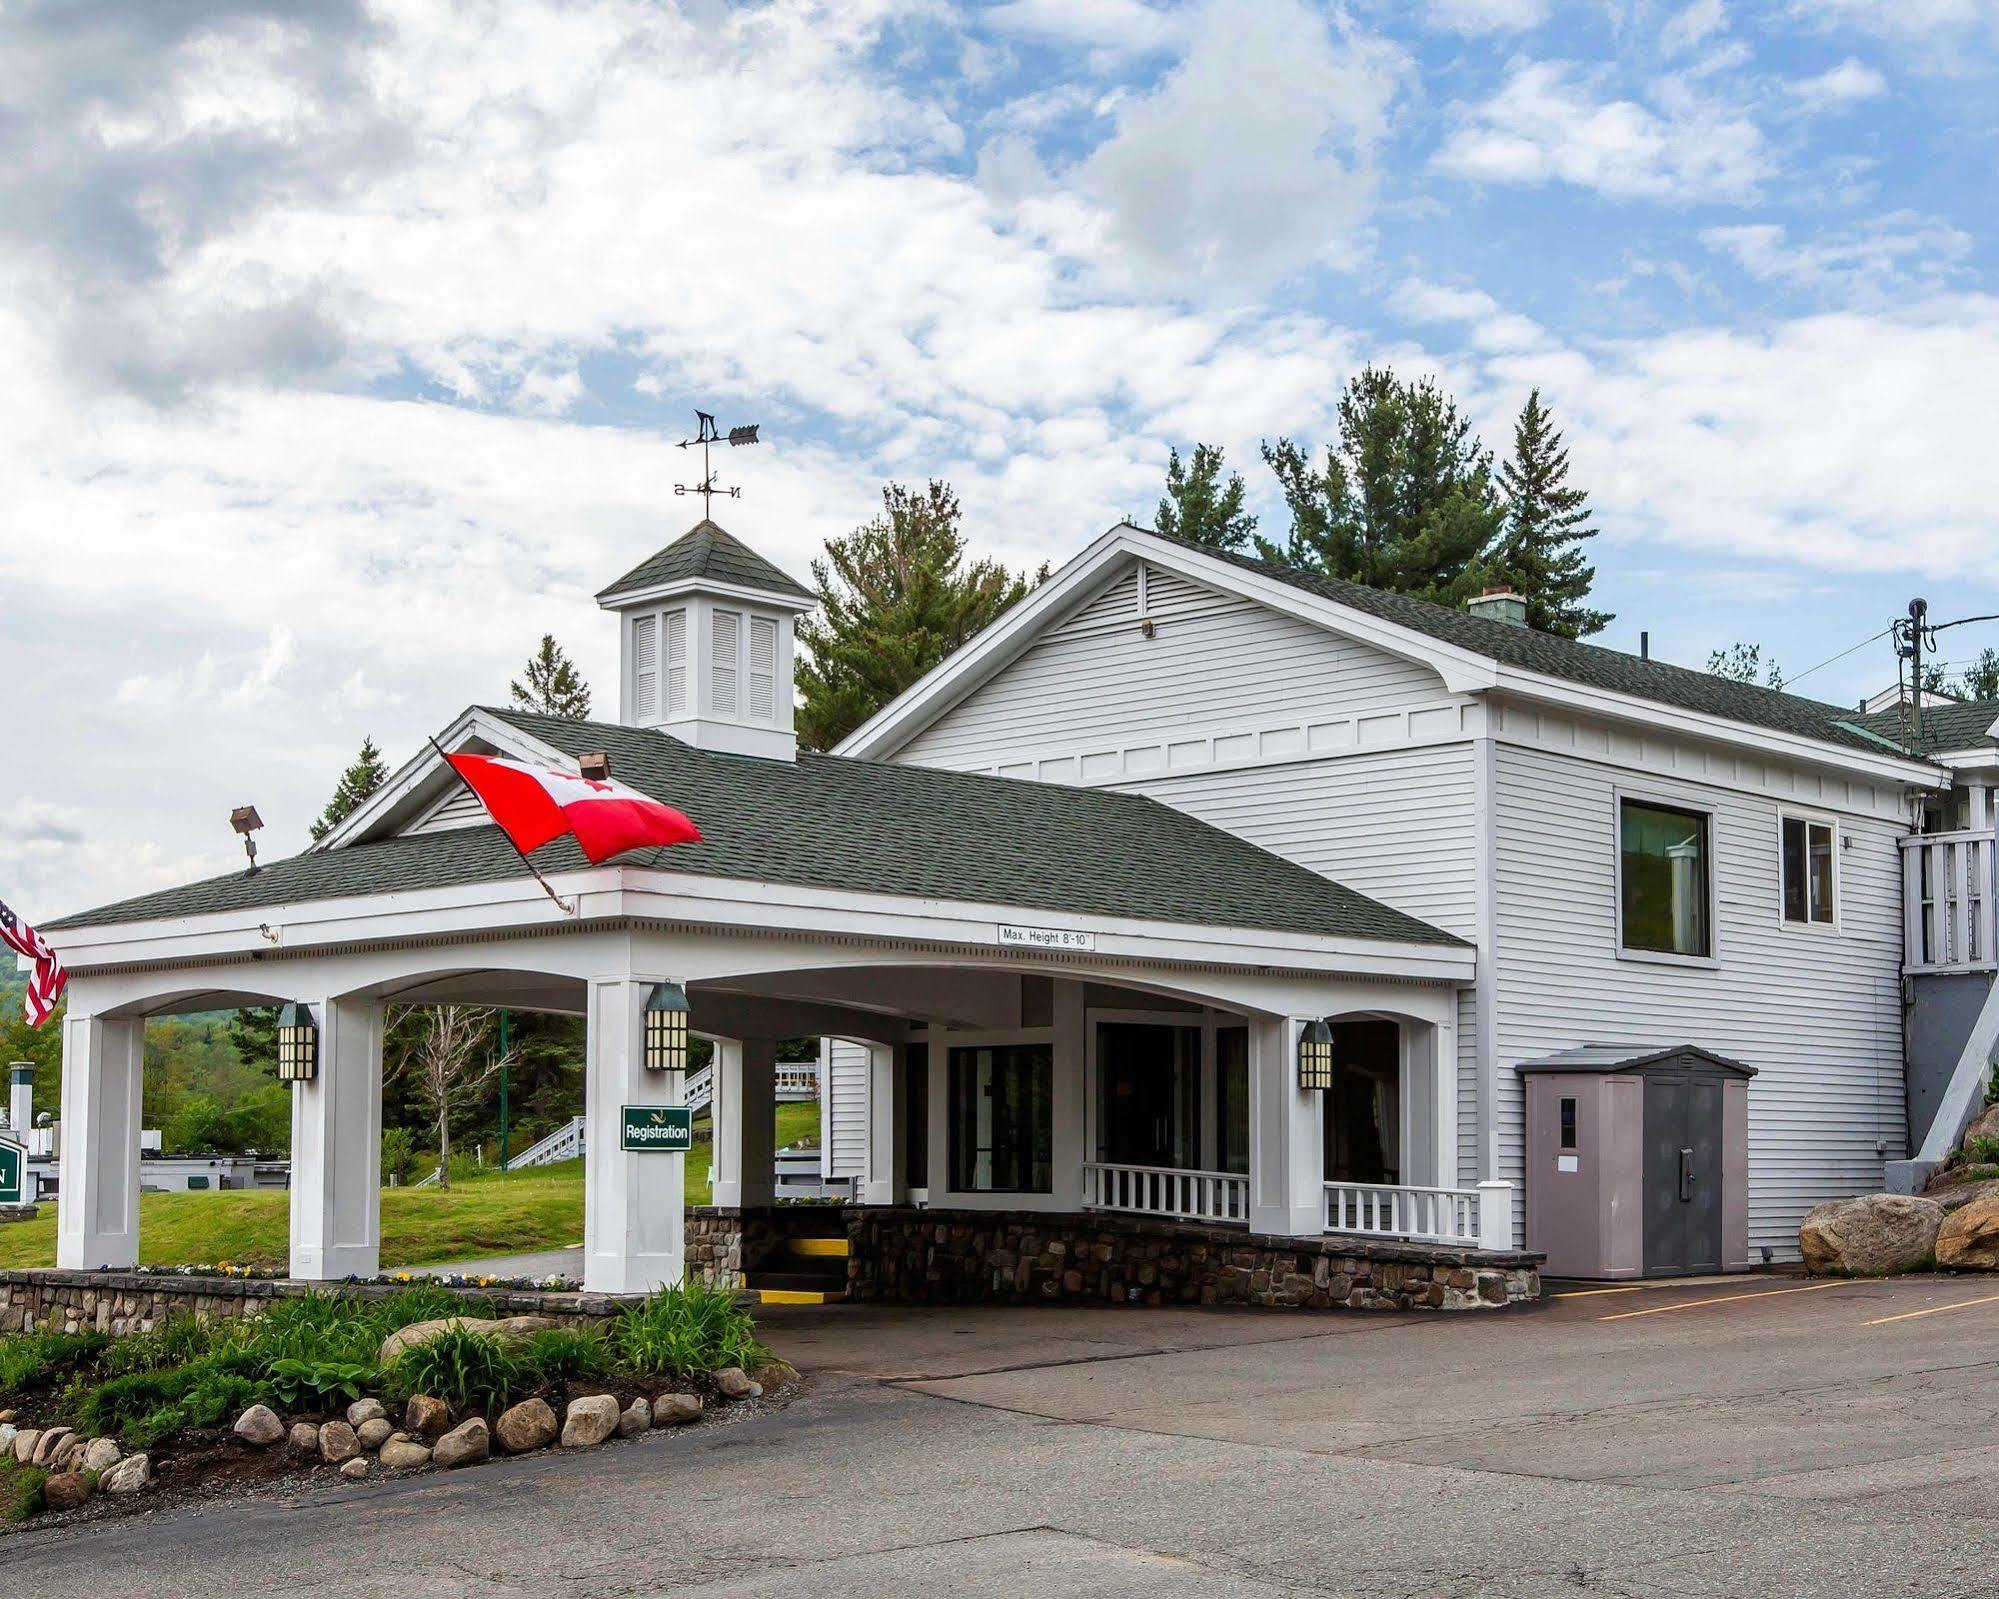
[1463, 670]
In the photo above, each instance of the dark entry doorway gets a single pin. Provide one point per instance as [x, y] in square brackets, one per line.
[1363, 1108]
[1683, 1143]
[1149, 1095]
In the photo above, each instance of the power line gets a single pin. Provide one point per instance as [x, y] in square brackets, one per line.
[1842, 655]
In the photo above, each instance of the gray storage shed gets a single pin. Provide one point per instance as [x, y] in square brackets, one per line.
[1638, 1161]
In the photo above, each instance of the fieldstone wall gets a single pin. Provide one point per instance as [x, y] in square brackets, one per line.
[722, 1243]
[908, 1256]
[120, 1302]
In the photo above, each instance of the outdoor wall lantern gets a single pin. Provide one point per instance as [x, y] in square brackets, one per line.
[1315, 1055]
[666, 1029]
[298, 1044]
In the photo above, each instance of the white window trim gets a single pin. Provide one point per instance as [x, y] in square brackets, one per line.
[1836, 927]
[1675, 801]
[942, 1041]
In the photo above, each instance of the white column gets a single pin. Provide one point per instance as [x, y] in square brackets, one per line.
[745, 1118]
[633, 1217]
[97, 1217]
[882, 1183]
[1286, 1136]
[1071, 1109]
[336, 1182]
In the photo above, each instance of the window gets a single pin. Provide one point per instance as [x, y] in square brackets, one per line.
[1003, 1119]
[1664, 879]
[1232, 1098]
[916, 1117]
[1808, 870]
[1568, 1124]
[1149, 1095]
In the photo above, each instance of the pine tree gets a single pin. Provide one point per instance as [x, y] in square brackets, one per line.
[895, 598]
[1546, 522]
[1405, 500]
[1199, 507]
[1980, 680]
[551, 684]
[356, 784]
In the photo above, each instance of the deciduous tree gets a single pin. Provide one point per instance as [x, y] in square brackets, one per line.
[1744, 663]
[445, 1054]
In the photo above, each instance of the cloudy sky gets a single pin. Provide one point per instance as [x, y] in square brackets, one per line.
[344, 342]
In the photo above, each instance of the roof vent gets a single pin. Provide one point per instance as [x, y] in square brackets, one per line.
[1500, 604]
[595, 765]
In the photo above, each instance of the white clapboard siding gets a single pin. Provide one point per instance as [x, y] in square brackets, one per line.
[843, 1109]
[1213, 662]
[458, 806]
[1815, 1011]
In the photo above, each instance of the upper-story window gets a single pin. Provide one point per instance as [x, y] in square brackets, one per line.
[1663, 879]
[1810, 877]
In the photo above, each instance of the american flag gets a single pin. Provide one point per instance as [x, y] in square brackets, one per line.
[47, 981]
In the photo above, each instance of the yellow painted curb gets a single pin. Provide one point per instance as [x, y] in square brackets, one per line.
[797, 1296]
[815, 1246]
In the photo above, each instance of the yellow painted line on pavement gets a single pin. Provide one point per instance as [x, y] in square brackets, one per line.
[1585, 1293]
[1723, 1299]
[1934, 1310]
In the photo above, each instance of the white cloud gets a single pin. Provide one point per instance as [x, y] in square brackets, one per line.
[1255, 153]
[1546, 125]
[1112, 25]
[1699, 21]
[1477, 17]
[1421, 301]
[1875, 259]
[1844, 85]
[1912, 19]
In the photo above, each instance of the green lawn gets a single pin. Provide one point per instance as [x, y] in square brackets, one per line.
[491, 1214]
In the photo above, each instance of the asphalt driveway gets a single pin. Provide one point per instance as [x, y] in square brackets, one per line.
[1764, 1436]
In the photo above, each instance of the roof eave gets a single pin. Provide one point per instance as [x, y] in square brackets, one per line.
[617, 598]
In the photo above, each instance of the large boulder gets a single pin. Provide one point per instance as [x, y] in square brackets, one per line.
[590, 1421]
[128, 1476]
[735, 1383]
[305, 1437]
[426, 1418]
[1984, 1125]
[65, 1490]
[508, 1329]
[676, 1410]
[1872, 1235]
[101, 1454]
[403, 1453]
[374, 1432]
[1969, 1238]
[49, 1444]
[338, 1443]
[636, 1418]
[364, 1410]
[259, 1425]
[24, 1444]
[465, 1445]
[528, 1425]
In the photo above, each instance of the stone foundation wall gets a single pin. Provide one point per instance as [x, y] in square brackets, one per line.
[120, 1302]
[908, 1256]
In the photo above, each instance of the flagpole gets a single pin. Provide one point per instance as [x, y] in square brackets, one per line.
[560, 903]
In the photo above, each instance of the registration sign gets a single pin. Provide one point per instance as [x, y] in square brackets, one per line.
[13, 1173]
[657, 1129]
[1045, 937]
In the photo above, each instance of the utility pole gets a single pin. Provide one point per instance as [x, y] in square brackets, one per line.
[1911, 633]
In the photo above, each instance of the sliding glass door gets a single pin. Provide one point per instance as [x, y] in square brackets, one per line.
[1149, 1095]
[1003, 1119]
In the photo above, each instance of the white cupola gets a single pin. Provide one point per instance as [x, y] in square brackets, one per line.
[705, 640]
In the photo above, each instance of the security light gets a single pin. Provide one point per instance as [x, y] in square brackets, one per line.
[666, 1029]
[1315, 1055]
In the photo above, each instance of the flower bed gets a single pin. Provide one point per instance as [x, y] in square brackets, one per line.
[321, 1381]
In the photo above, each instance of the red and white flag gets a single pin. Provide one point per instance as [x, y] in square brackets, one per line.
[47, 981]
[534, 804]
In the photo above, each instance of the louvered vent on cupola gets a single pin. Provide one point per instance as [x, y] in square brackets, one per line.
[707, 641]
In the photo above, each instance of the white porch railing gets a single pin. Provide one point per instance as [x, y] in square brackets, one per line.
[1947, 902]
[1478, 1218]
[1215, 1196]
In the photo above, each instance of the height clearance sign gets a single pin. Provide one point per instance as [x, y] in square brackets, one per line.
[657, 1129]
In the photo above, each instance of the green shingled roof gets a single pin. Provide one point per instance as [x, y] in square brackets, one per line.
[832, 822]
[1588, 664]
[706, 550]
[1955, 725]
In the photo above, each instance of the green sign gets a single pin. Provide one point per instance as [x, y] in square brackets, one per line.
[667, 1129]
[13, 1173]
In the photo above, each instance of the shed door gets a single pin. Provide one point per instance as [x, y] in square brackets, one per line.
[1682, 1174]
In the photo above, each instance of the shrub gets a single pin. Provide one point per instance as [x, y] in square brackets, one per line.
[154, 1428]
[320, 1383]
[562, 1354]
[34, 1358]
[423, 1302]
[398, 1154]
[314, 1327]
[214, 1397]
[21, 1491]
[467, 1370]
[114, 1404]
[1982, 1151]
[680, 1331]
[173, 1342]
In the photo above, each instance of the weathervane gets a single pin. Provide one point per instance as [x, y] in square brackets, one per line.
[705, 434]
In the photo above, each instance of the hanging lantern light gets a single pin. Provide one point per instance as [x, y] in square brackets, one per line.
[1315, 1055]
[298, 1044]
[666, 1029]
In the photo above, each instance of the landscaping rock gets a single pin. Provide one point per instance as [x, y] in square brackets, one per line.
[47, 1445]
[676, 1410]
[590, 1421]
[528, 1425]
[354, 1470]
[8, 1433]
[1955, 1196]
[465, 1445]
[101, 1454]
[635, 1418]
[1969, 1238]
[337, 1442]
[8, 1415]
[1871, 1235]
[68, 1455]
[426, 1418]
[24, 1443]
[364, 1410]
[402, 1453]
[735, 1383]
[508, 1329]
[259, 1425]
[1984, 1125]
[128, 1476]
[374, 1432]
[65, 1490]
[305, 1437]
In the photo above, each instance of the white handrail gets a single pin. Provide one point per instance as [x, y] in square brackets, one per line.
[1480, 1217]
[1214, 1196]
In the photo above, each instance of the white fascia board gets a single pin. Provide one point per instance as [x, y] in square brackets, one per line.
[612, 894]
[777, 599]
[1768, 742]
[410, 786]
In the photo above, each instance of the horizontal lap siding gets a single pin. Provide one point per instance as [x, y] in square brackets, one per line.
[1214, 661]
[843, 1109]
[1817, 1014]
